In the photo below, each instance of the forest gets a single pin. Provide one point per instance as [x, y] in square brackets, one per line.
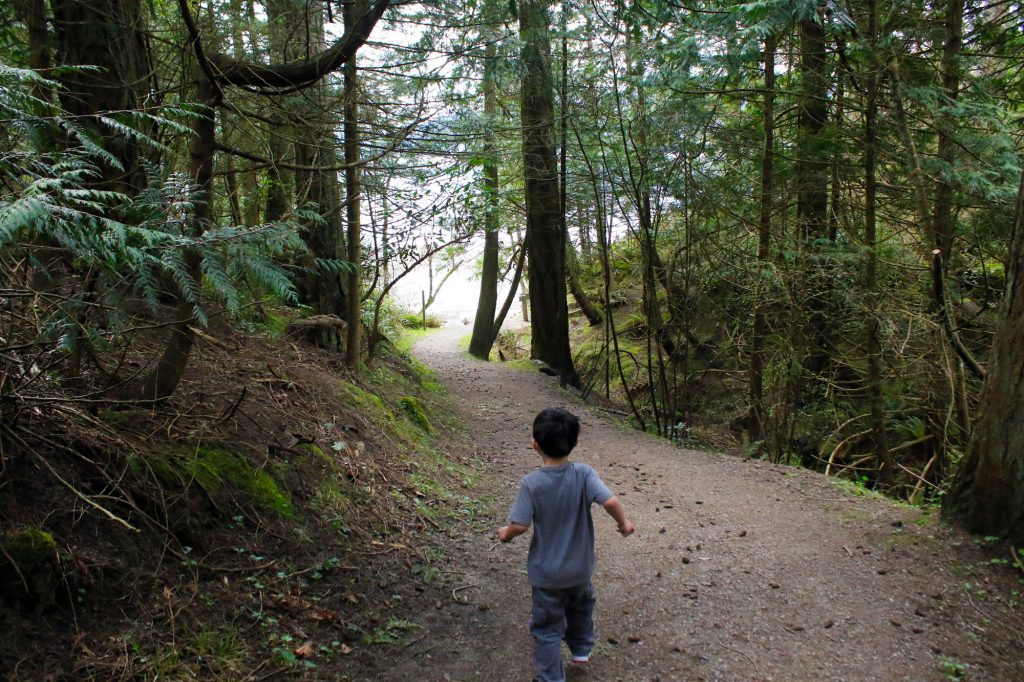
[791, 231]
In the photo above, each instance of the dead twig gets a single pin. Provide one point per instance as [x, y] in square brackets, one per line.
[230, 412]
[455, 592]
[742, 653]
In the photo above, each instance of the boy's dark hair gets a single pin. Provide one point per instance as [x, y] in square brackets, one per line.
[556, 431]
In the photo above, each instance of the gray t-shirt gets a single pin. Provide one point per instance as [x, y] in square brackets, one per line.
[556, 501]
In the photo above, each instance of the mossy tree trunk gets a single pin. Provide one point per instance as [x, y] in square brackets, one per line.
[987, 495]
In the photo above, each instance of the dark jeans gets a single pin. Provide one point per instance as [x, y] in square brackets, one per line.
[567, 614]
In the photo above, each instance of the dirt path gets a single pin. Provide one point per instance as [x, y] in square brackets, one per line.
[740, 570]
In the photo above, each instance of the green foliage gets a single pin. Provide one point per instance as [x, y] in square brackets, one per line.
[953, 669]
[148, 246]
[414, 320]
[392, 632]
[1017, 558]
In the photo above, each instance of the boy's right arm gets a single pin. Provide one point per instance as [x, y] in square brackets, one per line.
[618, 512]
[512, 530]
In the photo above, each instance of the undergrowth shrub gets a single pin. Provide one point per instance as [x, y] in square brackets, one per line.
[81, 263]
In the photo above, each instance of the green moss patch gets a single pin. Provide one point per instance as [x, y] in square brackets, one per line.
[414, 409]
[213, 467]
[365, 400]
[32, 580]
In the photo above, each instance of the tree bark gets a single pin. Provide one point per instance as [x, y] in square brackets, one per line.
[483, 324]
[277, 187]
[517, 275]
[545, 236]
[322, 288]
[33, 14]
[230, 71]
[812, 196]
[944, 226]
[757, 413]
[589, 310]
[987, 495]
[879, 438]
[106, 34]
[353, 189]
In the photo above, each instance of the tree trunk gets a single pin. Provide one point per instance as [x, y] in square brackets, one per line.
[320, 287]
[277, 187]
[942, 219]
[589, 310]
[161, 382]
[988, 492]
[517, 275]
[106, 34]
[812, 196]
[352, 14]
[483, 324]
[545, 236]
[757, 414]
[33, 14]
[301, 72]
[879, 439]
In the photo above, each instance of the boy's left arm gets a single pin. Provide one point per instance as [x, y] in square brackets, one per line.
[522, 510]
[512, 530]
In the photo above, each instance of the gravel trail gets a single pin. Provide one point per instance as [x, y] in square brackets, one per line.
[739, 570]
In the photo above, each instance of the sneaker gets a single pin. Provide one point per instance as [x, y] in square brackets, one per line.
[581, 660]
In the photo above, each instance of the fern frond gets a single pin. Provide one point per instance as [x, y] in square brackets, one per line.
[130, 133]
[87, 138]
[216, 274]
[334, 267]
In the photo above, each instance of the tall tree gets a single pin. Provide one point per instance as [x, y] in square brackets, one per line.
[483, 324]
[353, 13]
[988, 492]
[812, 179]
[758, 414]
[321, 285]
[942, 218]
[213, 74]
[883, 459]
[588, 309]
[545, 236]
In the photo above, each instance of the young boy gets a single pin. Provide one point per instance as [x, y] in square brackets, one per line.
[556, 499]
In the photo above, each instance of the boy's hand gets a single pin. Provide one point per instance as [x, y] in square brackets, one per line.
[506, 533]
[626, 529]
